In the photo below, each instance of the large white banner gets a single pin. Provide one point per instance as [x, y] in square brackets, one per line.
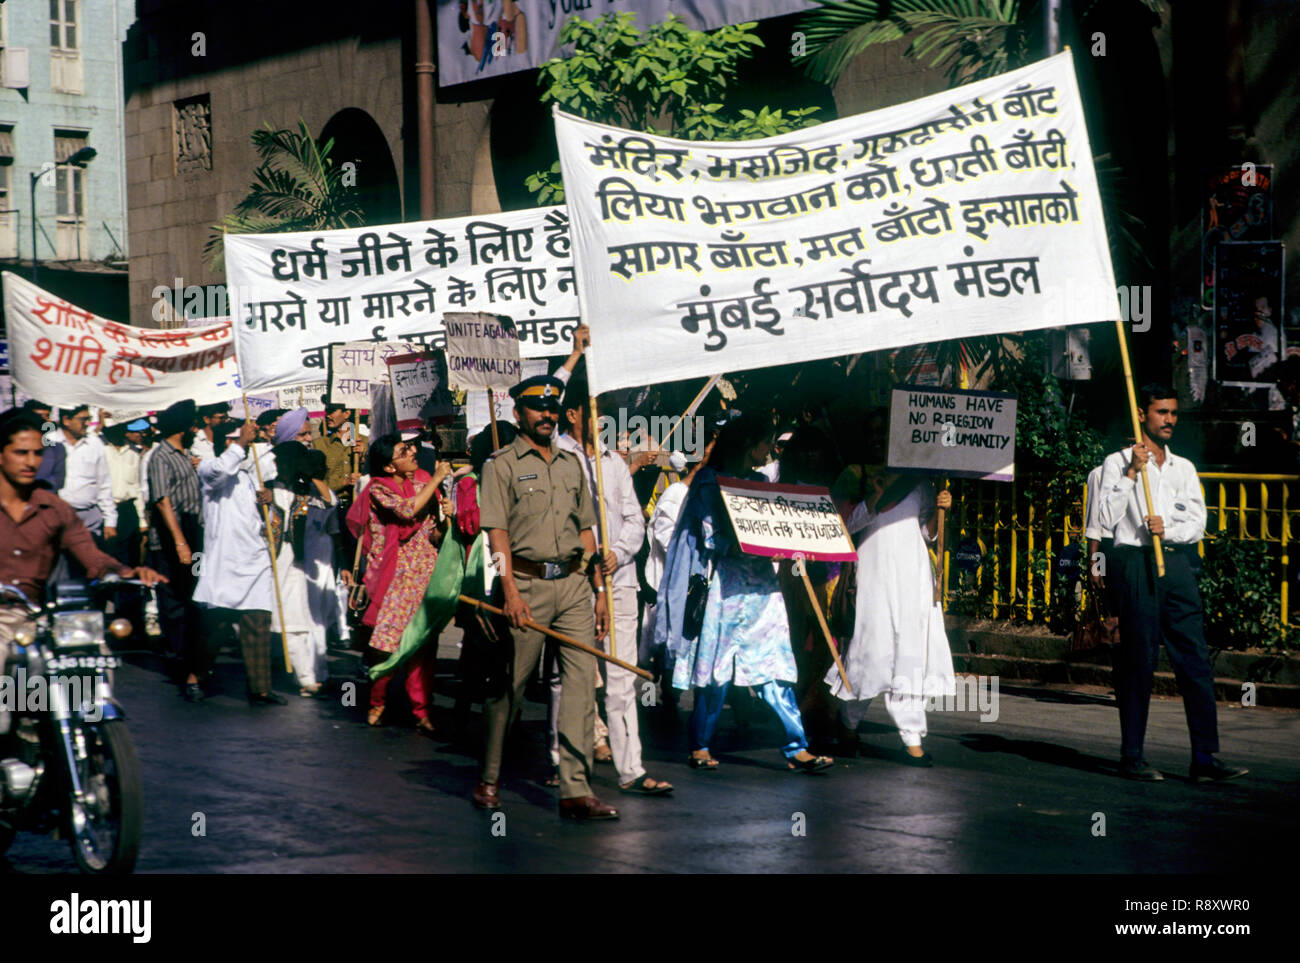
[66, 356]
[488, 38]
[973, 211]
[292, 295]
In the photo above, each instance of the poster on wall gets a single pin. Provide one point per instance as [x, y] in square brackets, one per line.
[1238, 206]
[1248, 311]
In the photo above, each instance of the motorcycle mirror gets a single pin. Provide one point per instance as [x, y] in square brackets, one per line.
[119, 628]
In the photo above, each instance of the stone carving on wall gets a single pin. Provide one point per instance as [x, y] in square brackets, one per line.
[192, 123]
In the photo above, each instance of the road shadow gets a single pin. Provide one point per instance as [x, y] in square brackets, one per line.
[1037, 751]
[1056, 697]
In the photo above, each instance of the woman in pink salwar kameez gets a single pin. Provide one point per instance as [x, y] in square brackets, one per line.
[400, 520]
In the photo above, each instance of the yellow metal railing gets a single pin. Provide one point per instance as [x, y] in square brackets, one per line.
[1020, 544]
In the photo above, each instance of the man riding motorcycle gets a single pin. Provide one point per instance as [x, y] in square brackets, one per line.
[35, 524]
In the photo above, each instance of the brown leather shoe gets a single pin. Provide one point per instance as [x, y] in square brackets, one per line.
[586, 807]
[487, 796]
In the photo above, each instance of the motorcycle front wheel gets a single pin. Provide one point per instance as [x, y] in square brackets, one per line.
[106, 840]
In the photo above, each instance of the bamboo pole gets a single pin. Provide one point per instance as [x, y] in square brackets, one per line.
[270, 547]
[821, 620]
[695, 402]
[1137, 438]
[940, 582]
[492, 413]
[562, 638]
[602, 515]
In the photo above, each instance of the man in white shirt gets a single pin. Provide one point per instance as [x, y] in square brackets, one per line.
[209, 416]
[1151, 608]
[622, 512]
[87, 484]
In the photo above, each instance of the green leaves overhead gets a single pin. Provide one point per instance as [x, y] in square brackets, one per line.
[973, 39]
[296, 187]
[666, 79]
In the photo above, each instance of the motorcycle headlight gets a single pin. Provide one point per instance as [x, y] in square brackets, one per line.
[78, 628]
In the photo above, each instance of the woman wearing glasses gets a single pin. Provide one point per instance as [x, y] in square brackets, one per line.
[401, 519]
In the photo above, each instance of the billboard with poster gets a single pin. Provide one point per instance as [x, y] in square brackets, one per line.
[1248, 311]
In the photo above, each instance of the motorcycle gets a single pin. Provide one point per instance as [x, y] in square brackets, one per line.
[67, 762]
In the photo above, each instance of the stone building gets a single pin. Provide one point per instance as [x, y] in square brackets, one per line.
[60, 92]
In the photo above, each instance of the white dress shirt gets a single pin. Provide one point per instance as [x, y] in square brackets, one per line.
[663, 523]
[1175, 493]
[622, 510]
[1092, 529]
[124, 469]
[87, 482]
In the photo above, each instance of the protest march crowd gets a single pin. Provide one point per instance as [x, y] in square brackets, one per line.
[288, 534]
[384, 560]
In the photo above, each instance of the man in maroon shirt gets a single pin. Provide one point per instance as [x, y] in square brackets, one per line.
[35, 524]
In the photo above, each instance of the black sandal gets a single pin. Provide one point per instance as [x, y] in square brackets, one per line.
[639, 787]
[815, 764]
[707, 764]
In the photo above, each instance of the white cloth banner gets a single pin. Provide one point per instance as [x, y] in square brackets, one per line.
[946, 431]
[292, 295]
[488, 38]
[973, 211]
[66, 356]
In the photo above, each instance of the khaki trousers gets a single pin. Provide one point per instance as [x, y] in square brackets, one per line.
[564, 605]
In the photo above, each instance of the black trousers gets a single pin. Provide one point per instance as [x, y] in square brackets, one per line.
[1150, 610]
[178, 616]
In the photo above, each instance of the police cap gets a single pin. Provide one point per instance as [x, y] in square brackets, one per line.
[540, 392]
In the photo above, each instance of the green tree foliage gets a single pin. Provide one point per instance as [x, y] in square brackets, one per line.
[296, 187]
[666, 79]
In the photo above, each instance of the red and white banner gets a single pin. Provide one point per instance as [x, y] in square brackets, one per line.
[786, 521]
[67, 356]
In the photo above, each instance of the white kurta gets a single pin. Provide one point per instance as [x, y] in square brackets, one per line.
[899, 643]
[293, 580]
[236, 569]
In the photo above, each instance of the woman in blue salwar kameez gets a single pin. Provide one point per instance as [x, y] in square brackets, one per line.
[744, 637]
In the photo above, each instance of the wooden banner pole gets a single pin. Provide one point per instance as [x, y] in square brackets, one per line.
[821, 620]
[708, 386]
[940, 583]
[563, 638]
[1137, 438]
[492, 413]
[604, 525]
[270, 547]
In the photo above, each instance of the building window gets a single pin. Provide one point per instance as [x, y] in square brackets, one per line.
[192, 130]
[8, 216]
[65, 52]
[70, 197]
[63, 24]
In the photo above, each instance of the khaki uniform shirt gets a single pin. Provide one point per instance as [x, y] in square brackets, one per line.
[544, 507]
[337, 463]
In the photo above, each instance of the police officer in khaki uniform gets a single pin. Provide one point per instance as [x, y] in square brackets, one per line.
[538, 514]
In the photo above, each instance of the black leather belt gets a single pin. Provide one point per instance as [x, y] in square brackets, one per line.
[545, 570]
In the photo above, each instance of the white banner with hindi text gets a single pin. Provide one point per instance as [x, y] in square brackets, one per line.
[293, 295]
[64, 355]
[973, 211]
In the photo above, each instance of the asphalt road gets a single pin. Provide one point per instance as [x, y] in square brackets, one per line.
[309, 788]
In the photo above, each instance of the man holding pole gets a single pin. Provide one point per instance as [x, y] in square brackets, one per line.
[1152, 606]
[626, 533]
[537, 511]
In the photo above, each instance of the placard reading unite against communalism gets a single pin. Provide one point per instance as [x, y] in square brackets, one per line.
[786, 521]
[948, 431]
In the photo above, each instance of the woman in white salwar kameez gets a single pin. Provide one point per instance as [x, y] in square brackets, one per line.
[899, 645]
[305, 510]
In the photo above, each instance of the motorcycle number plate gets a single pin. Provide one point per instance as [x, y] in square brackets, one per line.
[61, 662]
